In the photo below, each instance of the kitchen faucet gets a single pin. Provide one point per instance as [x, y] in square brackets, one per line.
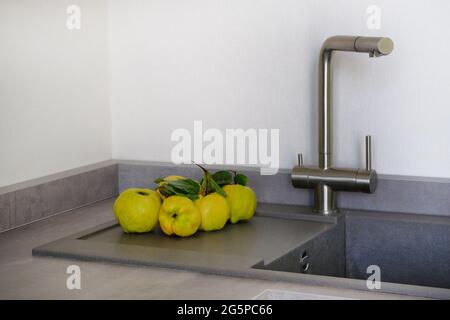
[325, 179]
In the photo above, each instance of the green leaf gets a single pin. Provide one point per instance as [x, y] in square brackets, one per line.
[185, 186]
[205, 186]
[167, 191]
[158, 180]
[193, 197]
[217, 188]
[189, 196]
[170, 189]
[164, 192]
[223, 177]
[241, 179]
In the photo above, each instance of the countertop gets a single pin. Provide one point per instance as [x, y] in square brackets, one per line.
[23, 276]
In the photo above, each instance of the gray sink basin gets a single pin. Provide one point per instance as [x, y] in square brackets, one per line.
[408, 249]
[289, 243]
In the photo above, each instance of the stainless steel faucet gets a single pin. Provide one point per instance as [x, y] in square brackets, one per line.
[325, 179]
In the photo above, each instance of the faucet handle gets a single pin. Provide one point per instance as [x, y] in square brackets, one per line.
[368, 153]
[300, 159]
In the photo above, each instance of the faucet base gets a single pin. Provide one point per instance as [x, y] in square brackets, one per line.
[324, 199]
[326, 182]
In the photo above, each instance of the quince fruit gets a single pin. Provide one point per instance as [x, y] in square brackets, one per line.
[242, 202]
[214, 210]
[179, 215]
[137, 209]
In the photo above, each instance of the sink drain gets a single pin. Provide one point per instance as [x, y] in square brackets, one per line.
[304, 262]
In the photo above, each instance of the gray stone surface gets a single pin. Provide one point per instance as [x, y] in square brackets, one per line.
[322, 255]
[400, 194]
[290, 211]
[262, 238]
[394, 193]
[265, 248]
[408, 249]
[23, 276]
[43, 198]
[7, 207]
[56, 176]
[236, 246]
[35, 203]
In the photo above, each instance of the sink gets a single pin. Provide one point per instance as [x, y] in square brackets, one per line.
[408, 249]
[289, 243]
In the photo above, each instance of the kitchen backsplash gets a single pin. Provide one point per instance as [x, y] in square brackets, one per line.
[37, 199]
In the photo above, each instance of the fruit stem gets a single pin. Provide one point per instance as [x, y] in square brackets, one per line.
[234, 175]
[205, 183]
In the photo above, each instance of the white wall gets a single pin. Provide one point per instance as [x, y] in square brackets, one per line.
[248, 63]
[54, 104]
[232, 64]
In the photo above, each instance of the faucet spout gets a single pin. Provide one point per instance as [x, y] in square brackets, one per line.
[375, 46]
[325, 179]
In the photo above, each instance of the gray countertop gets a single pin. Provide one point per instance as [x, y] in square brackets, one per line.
[23, 276]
